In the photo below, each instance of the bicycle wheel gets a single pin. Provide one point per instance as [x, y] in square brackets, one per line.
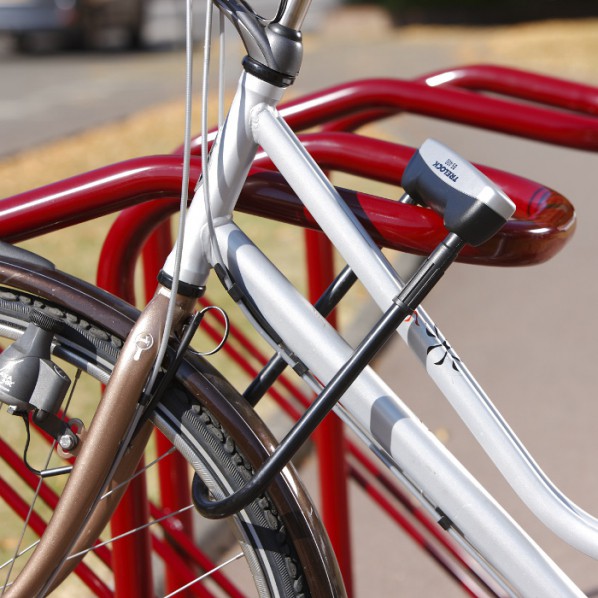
[284, 546]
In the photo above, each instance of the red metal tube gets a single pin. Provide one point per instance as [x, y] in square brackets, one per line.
[173, 477]
[350, 105]
[174, 486]
[90, 195]
[375, 98]
[517, 83]
[124, 242]
[548, 223]
[131, 555]
[173, 470]
[329, 437]
[545, 218]
[512, 83]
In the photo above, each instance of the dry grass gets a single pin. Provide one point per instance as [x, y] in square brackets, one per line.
[565, 48]
[156, 130]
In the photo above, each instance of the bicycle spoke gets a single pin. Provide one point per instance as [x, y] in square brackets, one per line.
[24, 551]
[139, 472]
[205, 575]
[25, 526]
[130, 532]
[202, 577]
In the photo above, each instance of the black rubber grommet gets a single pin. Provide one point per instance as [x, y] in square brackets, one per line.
[184, 288]
[265, 73]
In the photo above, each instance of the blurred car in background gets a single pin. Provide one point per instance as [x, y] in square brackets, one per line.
[80, 22]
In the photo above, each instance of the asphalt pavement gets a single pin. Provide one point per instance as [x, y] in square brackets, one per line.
[50, 94]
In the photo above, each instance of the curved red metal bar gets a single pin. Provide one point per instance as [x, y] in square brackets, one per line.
[546, 219]
[348, 106]
[552, 95]
[90, 195]
[517, 83]
[124, 242]
[454, 96]
[384, 97]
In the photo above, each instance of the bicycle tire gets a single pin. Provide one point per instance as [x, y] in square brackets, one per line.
[205, 418]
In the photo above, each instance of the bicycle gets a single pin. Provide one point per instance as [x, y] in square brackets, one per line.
[190, 415]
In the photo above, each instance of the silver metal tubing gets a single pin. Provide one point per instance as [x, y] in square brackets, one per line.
[230, 160]
[547, 502]
[292, 13]
[417, 452]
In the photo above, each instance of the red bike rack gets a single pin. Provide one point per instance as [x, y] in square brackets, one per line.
[147, 190]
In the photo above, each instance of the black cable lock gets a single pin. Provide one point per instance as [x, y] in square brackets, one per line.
[472, 206]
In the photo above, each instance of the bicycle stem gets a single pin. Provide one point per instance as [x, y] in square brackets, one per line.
[274, 54]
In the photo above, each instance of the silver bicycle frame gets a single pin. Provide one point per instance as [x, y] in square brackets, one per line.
[370, 407]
